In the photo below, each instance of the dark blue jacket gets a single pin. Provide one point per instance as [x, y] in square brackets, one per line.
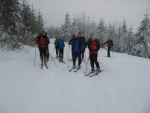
[60, 43]
[76, 44]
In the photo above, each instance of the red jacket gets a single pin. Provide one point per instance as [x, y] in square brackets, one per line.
[109, 43]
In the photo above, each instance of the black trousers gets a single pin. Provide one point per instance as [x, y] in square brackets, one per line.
[57, 50]
[42, 54]
[61, 53]
[93, 59]
[47, 52]
[82, 54]
[75, 56]
[72, 49]
[108, 51]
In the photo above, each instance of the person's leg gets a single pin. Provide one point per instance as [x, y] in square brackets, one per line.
[108, 54]
[47, 53]
[74, 58]
[92, 62]
[79, 58]
[72, 52]
[96, 62]
[41, 56]
[83, 54]
[62, 53]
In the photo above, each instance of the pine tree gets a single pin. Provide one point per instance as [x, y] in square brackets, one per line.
[40, 23]
[101, 31]
[124, 36]
[66, 28]
[142, 42]
[130, 41]
[10, 16]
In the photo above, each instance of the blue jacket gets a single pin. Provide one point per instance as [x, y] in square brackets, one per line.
[60, 43]
[77, 44]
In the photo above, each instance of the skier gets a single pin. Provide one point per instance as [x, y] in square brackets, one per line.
[61, 45]
[56, 46]
[77, 50]
[42, 41]
[70, 43]
[47, 47]
[94, 46]
[83, 46]
[109, 43]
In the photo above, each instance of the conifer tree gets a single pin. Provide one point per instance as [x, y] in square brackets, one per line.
[10, 16]
[142, 42]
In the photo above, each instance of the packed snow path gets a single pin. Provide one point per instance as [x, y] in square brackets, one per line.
[123, 87]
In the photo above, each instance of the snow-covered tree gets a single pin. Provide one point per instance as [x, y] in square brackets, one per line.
[66, 27]
[142, 47]
[130, 39]
[9, 16]
[124, 37]
[101, 31]
[40, 23]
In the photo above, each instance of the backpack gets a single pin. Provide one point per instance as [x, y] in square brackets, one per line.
[43, 42]
[94, 45]
[83, 42]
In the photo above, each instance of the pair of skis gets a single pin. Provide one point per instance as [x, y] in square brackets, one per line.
[44, 65]
[75, 69]
[93, 73]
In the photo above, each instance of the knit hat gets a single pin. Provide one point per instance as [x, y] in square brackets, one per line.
[93, 36]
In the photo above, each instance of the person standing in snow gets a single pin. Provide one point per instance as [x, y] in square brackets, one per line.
[109, 43]
[94, 46]
[60, 43]
[77, 50]
[70, 43]
[56, 46]
[47, 47]
[83, 46]
[42, 41]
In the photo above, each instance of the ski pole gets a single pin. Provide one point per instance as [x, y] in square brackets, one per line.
[99, 56]
[53, 51]
[35, 57]
[111, 52]
[68, 56]
[66, 51]
[86, 64]
[53, 60]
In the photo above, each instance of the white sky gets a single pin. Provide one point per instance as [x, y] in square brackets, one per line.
[110, 10]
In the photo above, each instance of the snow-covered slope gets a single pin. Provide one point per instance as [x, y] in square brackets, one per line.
[123, 86]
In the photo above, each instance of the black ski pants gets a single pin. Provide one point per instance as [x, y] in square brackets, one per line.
[82, 54]
[42, 54]
[61, 53]
[75, 56]
[57, 50]
[108, 51]
[93, 59]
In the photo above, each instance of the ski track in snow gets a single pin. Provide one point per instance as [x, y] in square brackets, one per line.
[121, 88]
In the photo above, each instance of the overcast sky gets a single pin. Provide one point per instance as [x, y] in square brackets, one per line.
[54, 11]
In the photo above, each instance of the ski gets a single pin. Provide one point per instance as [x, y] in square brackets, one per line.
[72, 69]
[45, 66]
[89, 73]
[77, 69]
[96, 73]
[62, 62]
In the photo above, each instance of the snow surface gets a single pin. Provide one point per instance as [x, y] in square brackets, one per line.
[123, 86]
